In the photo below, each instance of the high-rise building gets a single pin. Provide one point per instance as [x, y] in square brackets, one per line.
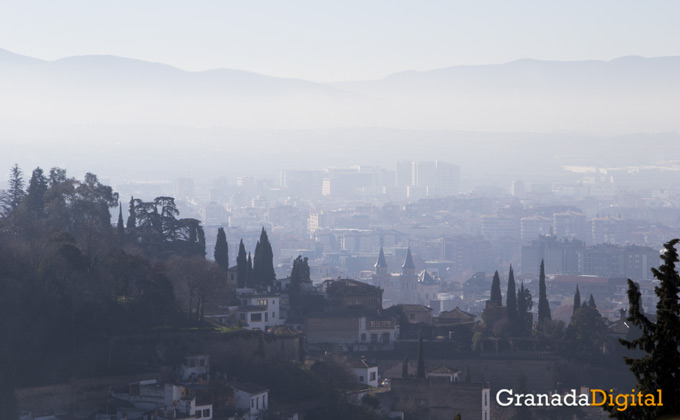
[404, 174]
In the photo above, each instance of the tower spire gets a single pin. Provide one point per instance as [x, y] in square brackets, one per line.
[409, 269]
[381, 264]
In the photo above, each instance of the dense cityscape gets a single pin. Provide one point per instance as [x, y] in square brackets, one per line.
[315, 210]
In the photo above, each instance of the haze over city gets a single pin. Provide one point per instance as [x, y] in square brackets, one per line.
[289, 210]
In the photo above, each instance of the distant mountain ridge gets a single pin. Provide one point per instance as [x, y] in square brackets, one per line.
[627, 94]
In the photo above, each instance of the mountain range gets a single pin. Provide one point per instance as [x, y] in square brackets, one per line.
[624, 95]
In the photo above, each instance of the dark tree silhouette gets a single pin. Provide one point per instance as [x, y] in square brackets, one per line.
[131, 220]
[420, 369]
[15, 194]
[511, 301]
[35, 194]
[299, 275]
[222, 250]
[543, 304]
[120, 227]
[263, 263]
[577, 300]
[241, 266]
[524, 305]
[250, 273]
[496, 299]
[659, 368]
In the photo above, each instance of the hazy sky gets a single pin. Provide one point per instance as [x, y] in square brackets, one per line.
[342, 40]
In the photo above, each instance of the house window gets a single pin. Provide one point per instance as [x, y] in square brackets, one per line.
[372, 376]
[363, 336]
[273, 315]
[361, 379]
[374, 338]
[262, 302]
[255, 317]
[266, 317]
[411, 316]
[201, 362]
[252, 403]
[198, 414]
[206, 412]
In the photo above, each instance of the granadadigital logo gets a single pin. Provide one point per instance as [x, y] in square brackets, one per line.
[597, 398]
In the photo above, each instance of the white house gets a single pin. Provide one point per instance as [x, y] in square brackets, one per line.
[251, 398]
[366, 372]
[269, 306]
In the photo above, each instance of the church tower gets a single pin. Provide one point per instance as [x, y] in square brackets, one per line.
[381, 264]
[408, 269]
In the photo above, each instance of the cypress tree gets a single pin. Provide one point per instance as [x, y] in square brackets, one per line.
[241, 266]
[120, 226]
[659, 368]
[255, 266]
[420, 372]
[132, 220]
[524, 304]
[543, 304]
[577, 300]
[511, 300]
[404, 367]
[299, 275]
[222, 249]
[591, 302]
[250, 276]
[263, 264]
[496, 298]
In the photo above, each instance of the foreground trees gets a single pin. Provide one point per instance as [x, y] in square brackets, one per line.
[70, 281]
[659, 367]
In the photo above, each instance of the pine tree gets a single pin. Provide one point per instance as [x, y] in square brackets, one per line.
[591, 302]
[120, 226]
[241, 266]
[132, 220]
[577, 300]
[420, 370]
[511, 301]
[496, 298]
[15, 194]
[659, 368]
[524, 305]
[543, 304]
[404, 367]
[222, 250]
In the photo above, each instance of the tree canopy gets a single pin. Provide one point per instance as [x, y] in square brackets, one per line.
[659, 367]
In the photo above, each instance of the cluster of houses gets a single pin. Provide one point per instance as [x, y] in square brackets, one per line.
[350, 320]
